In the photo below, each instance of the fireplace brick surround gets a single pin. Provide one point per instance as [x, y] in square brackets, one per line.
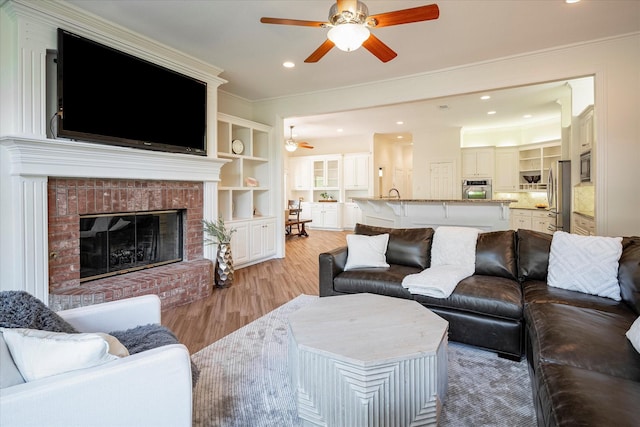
[175, 284]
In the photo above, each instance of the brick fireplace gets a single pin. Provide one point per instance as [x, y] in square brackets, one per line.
[46, 185]
[176, 284]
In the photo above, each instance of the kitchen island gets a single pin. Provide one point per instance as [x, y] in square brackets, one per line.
[413, 213]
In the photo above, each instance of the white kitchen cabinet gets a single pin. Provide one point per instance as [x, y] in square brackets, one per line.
[529, 219]
[326, 173]
[541, 221]
[263, 242]
[536, 160]
[520, 218]
[356, 171]
[351, 216]
[240, 242]
[583, 225]
[300, 173]
[253, 241]
[477, 162]
[506, 164]
[326, 215]
[585, 124]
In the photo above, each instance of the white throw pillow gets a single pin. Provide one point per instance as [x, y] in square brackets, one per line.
[454, 246]
[366, 251]
[40, 354]
[587, 264]
[633, 334]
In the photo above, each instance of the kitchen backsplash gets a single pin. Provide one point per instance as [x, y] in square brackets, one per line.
[584, 199]
[524, 200]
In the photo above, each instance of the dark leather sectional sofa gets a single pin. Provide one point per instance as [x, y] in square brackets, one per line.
[584, 371]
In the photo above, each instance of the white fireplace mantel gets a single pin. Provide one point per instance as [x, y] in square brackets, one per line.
[25, 167]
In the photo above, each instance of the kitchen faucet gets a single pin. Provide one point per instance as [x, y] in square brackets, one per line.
[396, 190]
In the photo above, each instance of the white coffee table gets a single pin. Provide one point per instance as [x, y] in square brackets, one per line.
[368, 360]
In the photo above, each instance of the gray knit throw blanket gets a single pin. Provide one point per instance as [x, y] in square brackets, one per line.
[19, 309]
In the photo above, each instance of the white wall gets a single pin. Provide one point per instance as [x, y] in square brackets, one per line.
[614, 62]
[434, 145]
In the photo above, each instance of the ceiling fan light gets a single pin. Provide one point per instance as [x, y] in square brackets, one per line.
[290, 146]
[348, 37]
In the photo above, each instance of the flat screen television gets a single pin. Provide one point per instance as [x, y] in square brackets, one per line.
[111, 97]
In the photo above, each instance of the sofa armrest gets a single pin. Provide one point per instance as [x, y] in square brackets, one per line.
[152, 388]
[331, 264]
[115, 315]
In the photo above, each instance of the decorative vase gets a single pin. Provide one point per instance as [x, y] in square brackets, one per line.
[224, 266]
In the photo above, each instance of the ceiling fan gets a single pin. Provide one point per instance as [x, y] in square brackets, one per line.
[350, 22]
[291, 145]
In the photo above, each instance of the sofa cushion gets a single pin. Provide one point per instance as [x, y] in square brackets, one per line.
[629, 272]
[533, 254]
[536, 291]
[366, 251]
[579, 397]
[376, 281]
[586, 264]
[407, 246]
[40, 354]
[9, 372]
[496, 254]
[485, 295]
[584, 338]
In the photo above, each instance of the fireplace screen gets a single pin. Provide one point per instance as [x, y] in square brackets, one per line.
[120, 243]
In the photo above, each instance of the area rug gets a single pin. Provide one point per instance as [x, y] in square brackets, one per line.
[244, 381]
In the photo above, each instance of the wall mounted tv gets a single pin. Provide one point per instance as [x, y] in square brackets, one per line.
[112, 97]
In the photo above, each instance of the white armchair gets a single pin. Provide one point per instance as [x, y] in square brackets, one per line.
[151, 388]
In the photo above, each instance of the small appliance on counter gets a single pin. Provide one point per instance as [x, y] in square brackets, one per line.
[479, 189]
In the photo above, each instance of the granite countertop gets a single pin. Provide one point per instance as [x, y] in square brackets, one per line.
[470, 201]
[530, 208]
[589, 215]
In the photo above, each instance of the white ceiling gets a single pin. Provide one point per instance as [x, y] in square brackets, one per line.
[228, 34]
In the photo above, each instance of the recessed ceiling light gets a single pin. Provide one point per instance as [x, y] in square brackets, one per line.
[491, 113]
[339, 130]
[399, 136]
[288, 64]
[399, 122]
[485, 97]
[527, 116]
[571, 1]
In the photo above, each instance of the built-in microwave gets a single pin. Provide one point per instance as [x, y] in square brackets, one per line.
[585, 166]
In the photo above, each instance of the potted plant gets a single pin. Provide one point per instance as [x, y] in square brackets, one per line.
[218, 233]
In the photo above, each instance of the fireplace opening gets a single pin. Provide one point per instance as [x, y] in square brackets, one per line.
[113, 244]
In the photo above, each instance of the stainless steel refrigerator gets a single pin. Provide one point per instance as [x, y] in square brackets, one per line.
[559, 195]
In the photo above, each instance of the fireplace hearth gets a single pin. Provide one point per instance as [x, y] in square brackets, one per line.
[120, 243]
[99, 229]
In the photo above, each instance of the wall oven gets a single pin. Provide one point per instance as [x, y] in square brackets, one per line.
[585, 166]
[479, 189]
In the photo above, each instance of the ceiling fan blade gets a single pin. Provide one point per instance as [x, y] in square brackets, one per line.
[383, 52]
[321, 51]
[406, 16]
[303, 144]
[301, 23]
[350, 5]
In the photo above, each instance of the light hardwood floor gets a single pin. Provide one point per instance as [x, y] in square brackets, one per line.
[256, 290]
